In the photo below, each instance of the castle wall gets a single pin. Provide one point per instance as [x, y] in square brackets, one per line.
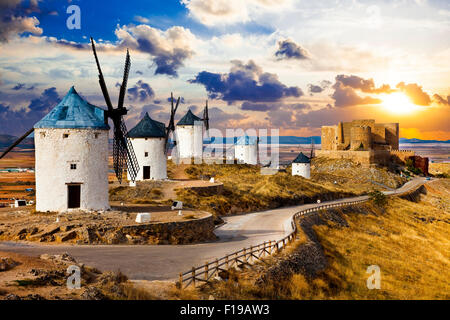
[392, 135]
[361, 157]
[329, 137]
[361, 136]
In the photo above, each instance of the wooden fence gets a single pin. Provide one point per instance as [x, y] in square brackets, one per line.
[247, 256]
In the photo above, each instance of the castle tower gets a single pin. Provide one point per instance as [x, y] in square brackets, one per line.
[189, 136]
[361, 138]
[148, 140]
[246, 150]
[301, 166]
[71, 152]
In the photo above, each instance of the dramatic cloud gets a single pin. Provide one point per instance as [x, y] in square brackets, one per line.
[169, 49]
[17, 122]
[415, 93]
[169, 99]
[312, 88]
[222, 12]
[438, 99]
[14, 20]
[255, 106]
[288, 49]
[346, 96]
[245, 82]
[364, 85]
[141, 92]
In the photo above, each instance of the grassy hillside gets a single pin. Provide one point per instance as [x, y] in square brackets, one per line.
[409, 241]
[246, 189]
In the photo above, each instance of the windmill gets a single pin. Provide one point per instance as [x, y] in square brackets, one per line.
[123, 153]
[171, 126]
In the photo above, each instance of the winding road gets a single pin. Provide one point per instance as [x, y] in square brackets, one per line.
[164, 262]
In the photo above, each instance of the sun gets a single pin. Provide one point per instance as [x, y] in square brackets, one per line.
[398, 103]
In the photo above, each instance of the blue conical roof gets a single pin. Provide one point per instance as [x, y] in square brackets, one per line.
[301, 158]
[73, 112]
[188, 119]
[246, 140]
[148, 128]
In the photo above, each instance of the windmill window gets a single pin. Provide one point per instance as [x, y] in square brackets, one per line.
[65, 135]
[42, 134]
[96, 135]
[146, 154]
[73, 166]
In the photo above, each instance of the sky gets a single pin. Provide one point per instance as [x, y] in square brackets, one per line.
[292, 65]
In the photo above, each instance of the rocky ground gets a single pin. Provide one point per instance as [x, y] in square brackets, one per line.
[45, 277]
[109, 227]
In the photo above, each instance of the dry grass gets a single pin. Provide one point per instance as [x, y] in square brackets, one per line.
[440, 169]
[409, 241]
[246, 190]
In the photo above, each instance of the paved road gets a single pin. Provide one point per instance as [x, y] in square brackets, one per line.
[164, 262]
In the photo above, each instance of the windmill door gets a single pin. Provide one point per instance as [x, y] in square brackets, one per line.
[74, 196]
[146, 172]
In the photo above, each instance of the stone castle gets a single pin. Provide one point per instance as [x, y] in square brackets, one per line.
[363, 141]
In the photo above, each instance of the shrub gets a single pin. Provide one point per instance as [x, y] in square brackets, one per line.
[378, 198]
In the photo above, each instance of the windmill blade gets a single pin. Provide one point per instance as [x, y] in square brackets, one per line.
[16, 142]
[206, 116]
[123, 87]
[171, 127]
[101, 79]
[123, 152]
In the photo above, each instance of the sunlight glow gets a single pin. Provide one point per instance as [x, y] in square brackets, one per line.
[398, 103]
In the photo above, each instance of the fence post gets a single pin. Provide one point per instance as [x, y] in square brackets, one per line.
[226, 260]
[217, 266]
[206, 271]
[193, 276]
[181, 280]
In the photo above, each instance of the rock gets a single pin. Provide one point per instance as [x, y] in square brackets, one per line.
[67, 236]
[62, 258]
[92, 293]
[12, 297]
[7, 264]
[34, 297]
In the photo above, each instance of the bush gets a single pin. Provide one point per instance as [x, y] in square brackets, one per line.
[378, 198]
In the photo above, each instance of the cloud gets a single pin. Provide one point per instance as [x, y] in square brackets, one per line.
[141, 92]
[14, 20]
[19, 86]
[17, 122]
[438, 99]
[141, 19]
[288, 49]
[169, 49]
[255, 106]
[345, 96]
[223, 12]
[245, 82]
[364, 85]
[415, 93]
[169, 99]
[324, 84]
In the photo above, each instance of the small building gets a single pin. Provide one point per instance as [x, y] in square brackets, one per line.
[189, 136]
[301, 166]
[148, 138]
[71, 147]
[246, 150]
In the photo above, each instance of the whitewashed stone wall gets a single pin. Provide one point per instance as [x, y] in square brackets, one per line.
[301, 169]
[156, 159]
[88, 149]
[247, 154]
[189, 141]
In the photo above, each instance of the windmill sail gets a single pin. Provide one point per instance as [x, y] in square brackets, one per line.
[171, 127]
[16, 142]
[123, 154]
